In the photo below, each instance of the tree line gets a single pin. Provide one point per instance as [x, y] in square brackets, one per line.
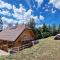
[44, 31]
[41, 32]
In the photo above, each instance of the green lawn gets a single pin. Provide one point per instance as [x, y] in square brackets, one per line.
[46, 49]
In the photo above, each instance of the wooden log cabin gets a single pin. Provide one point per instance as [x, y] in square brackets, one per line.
[10, 38]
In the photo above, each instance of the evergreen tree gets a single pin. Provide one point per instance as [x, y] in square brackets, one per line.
[39, 33]
[31, 24]
[59, 29]
[46, 31]
[45, 28]
[50, 30]
[54, 29]
[1, 24]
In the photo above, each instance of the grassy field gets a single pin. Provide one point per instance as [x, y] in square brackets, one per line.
[46, 49]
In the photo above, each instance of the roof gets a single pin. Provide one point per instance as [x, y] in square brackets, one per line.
[12, 34]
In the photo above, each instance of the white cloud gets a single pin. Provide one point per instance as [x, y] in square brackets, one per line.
[6, 19]
[18, 16]
[5, 5]
[5, 12]
[46, 10]
[39, 2]
[56, 3]
[43, 7]
[35, 18]
[20, 10]
[37, 26]
[5, 26]
[14, 9]
[21, 13]
[28, 14]
[7, 22]
[53, 11]
[41, 17]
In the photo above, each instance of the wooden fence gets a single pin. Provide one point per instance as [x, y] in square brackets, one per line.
[17, 49]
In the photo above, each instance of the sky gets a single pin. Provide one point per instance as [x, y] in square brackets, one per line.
[21, 11]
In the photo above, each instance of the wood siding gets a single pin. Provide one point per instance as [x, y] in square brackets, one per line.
[27, 35]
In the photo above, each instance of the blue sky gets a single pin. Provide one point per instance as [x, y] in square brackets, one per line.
[43, 11]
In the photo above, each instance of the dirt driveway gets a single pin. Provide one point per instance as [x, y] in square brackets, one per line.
[3, 53]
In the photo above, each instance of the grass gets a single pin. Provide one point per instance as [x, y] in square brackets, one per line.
[46, 49]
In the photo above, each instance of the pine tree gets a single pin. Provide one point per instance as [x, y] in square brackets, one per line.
[1, 24]
[54, 29]
[31, 24]
[50, 30]
[45, 28]
[59, 29]
[46, 31]
[39, 33]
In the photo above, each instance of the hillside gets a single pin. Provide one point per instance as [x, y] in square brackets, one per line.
[46, 49]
